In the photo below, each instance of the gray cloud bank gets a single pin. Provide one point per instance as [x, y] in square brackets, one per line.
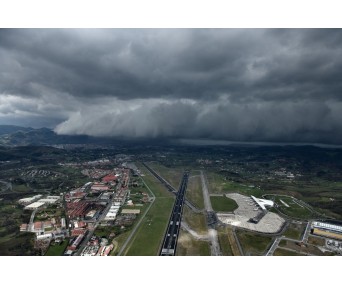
[245, 85]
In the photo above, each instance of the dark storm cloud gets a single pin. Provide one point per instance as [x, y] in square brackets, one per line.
[227, 84]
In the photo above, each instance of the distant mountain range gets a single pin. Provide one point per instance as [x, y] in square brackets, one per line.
[11, 135]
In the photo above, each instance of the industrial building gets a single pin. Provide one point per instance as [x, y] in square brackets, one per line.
[130, 211]
[34, 205]
[113, 211]
[48, 200]
[327, 226]
[328, 234]
[29, 200]
[327, 230]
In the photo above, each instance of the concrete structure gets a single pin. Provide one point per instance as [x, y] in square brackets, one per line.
[35, 205]
[327, 226]
[48, 201]
[263, 202]
[29, 200]
[247, 210]
[328, 234]
[130, 211]
[44, 236]
[23, 227]
[63, 223]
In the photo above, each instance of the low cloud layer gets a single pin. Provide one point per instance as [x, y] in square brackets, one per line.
[245, 85]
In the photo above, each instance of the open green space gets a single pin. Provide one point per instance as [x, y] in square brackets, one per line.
[149, 236]
[156, 186]
[316, 241]
[20, 188]
[224, 242]
[194, 191]
[57, 249]
[188, 246]
[196, 221]
[218, 184]
[285, 252]
[172, 175]
[295, 231]
[19, 244]
[119, 241]
[301, 248]
[151, 232]
[253, 244]
[294, 208]
[223, 203]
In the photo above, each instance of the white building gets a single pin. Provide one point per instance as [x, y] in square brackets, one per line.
[327, 226]
[48, 200]
[35, 205]
[28, 200]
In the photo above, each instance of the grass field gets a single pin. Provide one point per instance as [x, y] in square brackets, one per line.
[17, 244]
[316, 241]
[196, 221]
[308, 248]
[253, 244]
[295, 231]
[172, 175]
[57, 249]
[295, 209]
[188, 246]
[225, 245]
[218, 184]
[223, 203]
[20, 188]
[118, 242]
[194, 192]
[150, 234]
[285, 252]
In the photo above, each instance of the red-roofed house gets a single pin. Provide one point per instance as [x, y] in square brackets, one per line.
[109, 178]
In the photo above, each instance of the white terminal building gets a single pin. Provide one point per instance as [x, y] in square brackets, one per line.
[327, 226]
[263, 202]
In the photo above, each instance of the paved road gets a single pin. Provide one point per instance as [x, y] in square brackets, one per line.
[274, 246]
[170, 240]
[32, 218]
[206, 196]
[277, 240]
[211, 217]
[307, 232]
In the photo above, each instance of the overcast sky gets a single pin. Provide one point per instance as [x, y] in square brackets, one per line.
[232, 84]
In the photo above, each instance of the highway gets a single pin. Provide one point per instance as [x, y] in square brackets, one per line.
[170, 240]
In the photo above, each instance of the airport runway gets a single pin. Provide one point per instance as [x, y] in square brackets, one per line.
[171, 236]
[171, 188]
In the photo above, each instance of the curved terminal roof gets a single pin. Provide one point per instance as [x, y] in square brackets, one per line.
[263, 202]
